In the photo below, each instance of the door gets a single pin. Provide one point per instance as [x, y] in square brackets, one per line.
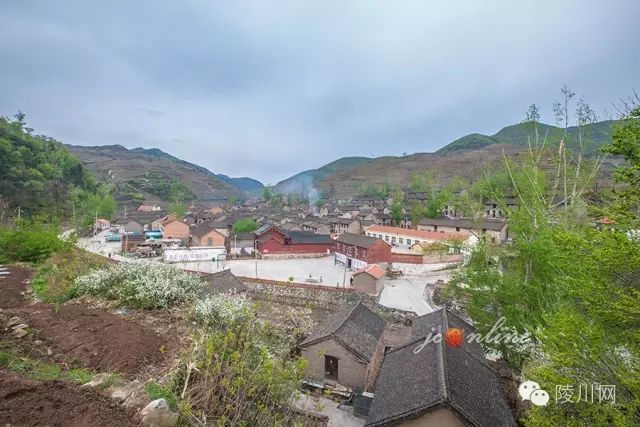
[349, 262]
[330, 368]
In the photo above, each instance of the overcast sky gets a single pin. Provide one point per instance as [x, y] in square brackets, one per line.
[269, 88]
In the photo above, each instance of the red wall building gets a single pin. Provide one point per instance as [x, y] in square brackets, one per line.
[276, 241]
[357, 250]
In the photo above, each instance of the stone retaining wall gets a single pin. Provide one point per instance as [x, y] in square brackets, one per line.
[326, 297]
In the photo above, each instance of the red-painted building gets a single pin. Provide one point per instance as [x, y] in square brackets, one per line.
[357, 251]
[272, 240]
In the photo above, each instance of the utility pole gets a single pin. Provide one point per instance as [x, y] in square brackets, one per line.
[19, 212]
[95, 226]
[344, 277]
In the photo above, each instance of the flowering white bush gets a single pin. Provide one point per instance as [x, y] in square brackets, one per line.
[222, 310]
[141, 285]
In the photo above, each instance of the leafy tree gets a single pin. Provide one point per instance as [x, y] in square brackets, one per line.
[435, 199]
[397, 207]
[573, 287]
[245, 225]
[267, 193]
[626, 143]
[177, 193]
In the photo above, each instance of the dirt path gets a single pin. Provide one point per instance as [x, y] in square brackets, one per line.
[25, 402]
[83, 337]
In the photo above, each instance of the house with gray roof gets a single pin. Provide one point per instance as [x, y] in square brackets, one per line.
[436, 384]
[494, 229]
[223, 282]
[346, 349]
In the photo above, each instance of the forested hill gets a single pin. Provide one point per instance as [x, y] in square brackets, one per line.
[38, 174]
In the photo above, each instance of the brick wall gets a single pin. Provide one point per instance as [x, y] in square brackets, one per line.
[378, 252]
[273, 246]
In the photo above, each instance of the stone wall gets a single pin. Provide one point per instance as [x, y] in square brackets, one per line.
[330, 298]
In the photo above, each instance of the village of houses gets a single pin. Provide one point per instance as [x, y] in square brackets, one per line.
[372, 282]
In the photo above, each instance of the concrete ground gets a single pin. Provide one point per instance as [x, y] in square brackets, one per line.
[338, 416]
[406, 294]
[98, 245]
[304, 270]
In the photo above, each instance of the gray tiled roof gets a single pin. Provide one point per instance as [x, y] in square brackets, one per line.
[202, 229]
[260, 231]
[435, 322]
[412, 383]
[242, 236]
[359, 240]
[356, 327]
[494, 225]
[223, 282]
[308, 237]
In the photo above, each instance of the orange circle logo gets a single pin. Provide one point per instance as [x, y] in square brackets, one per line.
[454, 337]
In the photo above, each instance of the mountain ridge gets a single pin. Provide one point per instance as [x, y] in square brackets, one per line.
[348, 179]
[147, 173]
[343, 177]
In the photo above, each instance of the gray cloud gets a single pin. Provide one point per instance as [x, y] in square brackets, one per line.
[267, 89]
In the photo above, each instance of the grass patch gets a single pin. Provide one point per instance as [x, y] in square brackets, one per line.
[157, 391]
[110, 380]
[54, 279]
[37, 370]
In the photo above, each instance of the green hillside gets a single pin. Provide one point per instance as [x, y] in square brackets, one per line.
[595, 136]
[38, 174]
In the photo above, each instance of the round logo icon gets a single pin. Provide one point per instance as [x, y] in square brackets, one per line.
[454, 337]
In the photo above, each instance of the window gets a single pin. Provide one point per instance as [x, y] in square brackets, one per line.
[457, 228]
[330, 368]
[435, 228]
[400, 240]
[409, 242]
[386, 238]
[209, 241]
[393, 239]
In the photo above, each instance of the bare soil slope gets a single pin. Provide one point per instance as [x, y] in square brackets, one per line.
[84, 337]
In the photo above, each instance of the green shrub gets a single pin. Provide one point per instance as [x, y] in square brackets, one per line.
[157, 391]
[54, 280]
[30, 241]
[234, 376]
